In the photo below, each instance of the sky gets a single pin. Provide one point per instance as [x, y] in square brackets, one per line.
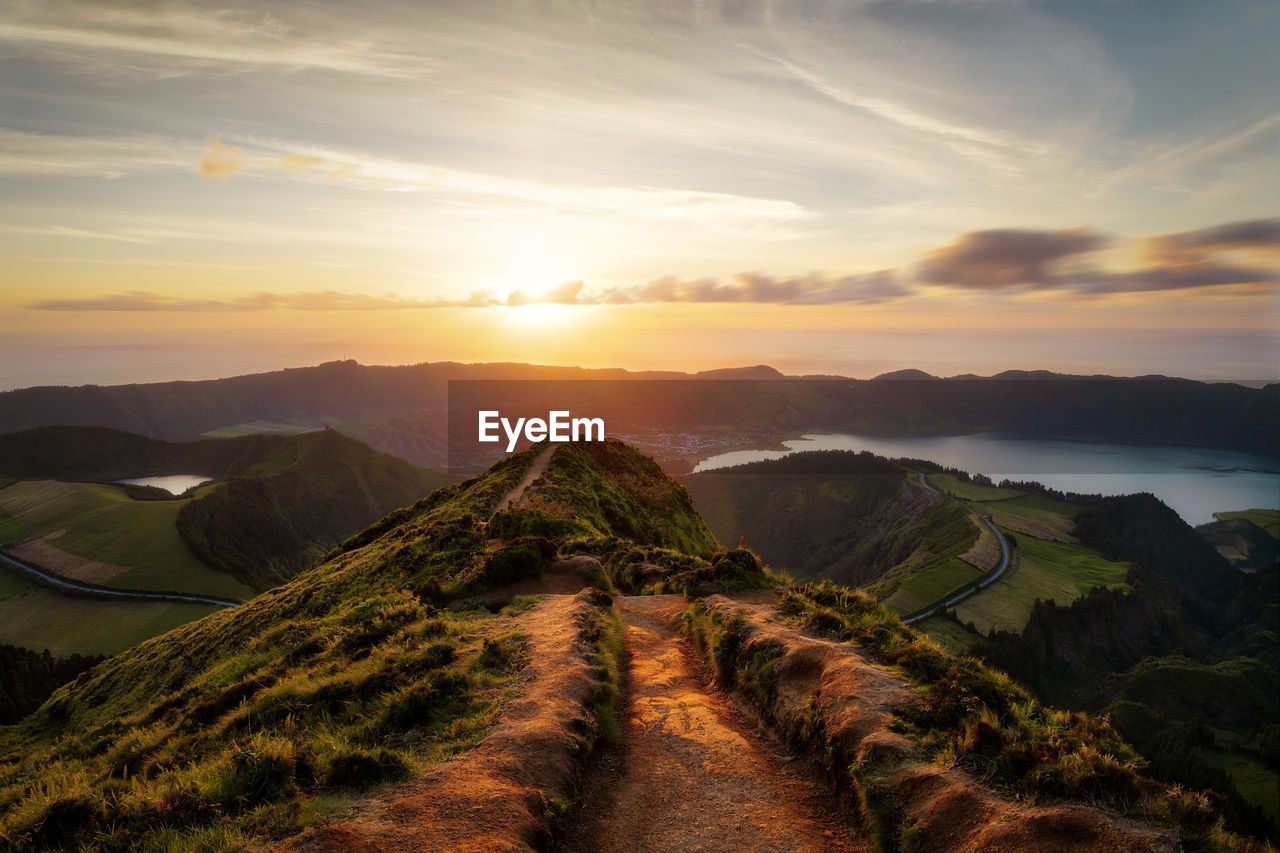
[191, 190]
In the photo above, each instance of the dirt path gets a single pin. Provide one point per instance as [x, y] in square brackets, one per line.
[691, 774]
[537, 468]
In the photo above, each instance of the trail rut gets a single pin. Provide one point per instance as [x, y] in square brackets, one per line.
[691, 774]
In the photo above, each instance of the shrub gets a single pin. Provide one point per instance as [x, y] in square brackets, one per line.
[362, 768]
[262, 770]
[524, 558]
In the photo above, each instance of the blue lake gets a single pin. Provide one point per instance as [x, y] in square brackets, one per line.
[1195, 482]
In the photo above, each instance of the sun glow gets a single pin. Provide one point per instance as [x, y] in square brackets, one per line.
[540, 315]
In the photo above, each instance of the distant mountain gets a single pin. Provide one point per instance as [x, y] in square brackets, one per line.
[404, 410]
[759, 371]
[903, 375]
[284, 500]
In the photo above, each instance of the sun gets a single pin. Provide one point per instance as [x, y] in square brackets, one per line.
[540, 315]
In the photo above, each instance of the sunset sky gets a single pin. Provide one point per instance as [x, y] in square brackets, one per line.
[190, 191]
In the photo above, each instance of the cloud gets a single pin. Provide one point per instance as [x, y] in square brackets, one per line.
[1175, 277]
[1023, 259]
[1254, 234]
[1006, 257]
[758, 287]
[747, 287]
[991, 260]
[220, 161]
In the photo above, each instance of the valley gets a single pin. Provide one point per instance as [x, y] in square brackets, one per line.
[418, 684]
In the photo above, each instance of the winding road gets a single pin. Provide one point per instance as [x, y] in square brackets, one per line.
[973, 589]
[48, 578]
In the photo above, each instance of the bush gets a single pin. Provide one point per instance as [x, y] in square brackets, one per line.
[524, 558]
[262, 770]
[362, 768]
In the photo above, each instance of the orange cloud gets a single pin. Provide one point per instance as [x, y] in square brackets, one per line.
[220, 161]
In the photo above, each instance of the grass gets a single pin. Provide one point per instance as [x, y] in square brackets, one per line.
[256, 427]
[1257, 783]
[1267, 519]
[968, 491]
[981, 719]
[933, 584]
[238, 729]
[39, 618]
[99, 522]
[11, 530]
[952, 638]
[237, 753]
[1033, 514]
[1044, 570]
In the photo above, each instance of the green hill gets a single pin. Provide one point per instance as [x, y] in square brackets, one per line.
[856, 518]
[375, 665]
[344, 676]
[280, 501]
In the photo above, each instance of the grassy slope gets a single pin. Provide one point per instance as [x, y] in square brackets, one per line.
[968, 491]
[337, 678]
[1045, 571]
[1267, 519]
[100, 522]
[37, 618]
[241, 727]
[977, 717]
[923, 588]
[1033, 514]
[1258, 783]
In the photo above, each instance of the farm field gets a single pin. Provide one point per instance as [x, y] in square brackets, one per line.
[1043, 570]
[38, 619]
[100, 522]
[968, 491]
[1032, 514]
[928, 586]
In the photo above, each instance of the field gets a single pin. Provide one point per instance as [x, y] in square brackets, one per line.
[1044, 570]
[928, 586]
[968, 491]
[1034, 514]
[38, 619]
[10, 528]
[1256, 782]
[1267, 519]
[954, 639]
[99, 522]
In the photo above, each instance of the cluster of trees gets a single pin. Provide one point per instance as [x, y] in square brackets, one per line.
[1194, 641]
[27, 678]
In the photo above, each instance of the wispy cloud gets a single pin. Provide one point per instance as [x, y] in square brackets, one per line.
[34, 154]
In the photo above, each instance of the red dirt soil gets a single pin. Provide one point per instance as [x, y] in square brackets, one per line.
[854, 704]
[690, 773]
